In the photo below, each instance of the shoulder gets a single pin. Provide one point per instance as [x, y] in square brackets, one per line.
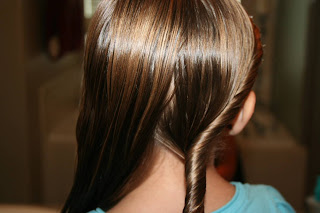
[262, 198]
[251, 199]
[259, 191]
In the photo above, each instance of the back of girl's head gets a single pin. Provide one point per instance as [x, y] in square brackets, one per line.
[169, 74]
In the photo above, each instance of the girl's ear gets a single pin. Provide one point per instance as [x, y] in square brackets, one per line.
[244, 115]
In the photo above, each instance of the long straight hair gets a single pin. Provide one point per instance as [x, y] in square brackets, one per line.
[170, 74]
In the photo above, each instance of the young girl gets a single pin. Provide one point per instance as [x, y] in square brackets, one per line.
[164, 82]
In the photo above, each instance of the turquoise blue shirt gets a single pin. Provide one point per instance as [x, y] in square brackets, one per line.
[251, 199]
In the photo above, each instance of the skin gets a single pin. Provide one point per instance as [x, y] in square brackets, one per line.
[164, 190]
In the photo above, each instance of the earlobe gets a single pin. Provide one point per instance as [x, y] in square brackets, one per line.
[244, 115]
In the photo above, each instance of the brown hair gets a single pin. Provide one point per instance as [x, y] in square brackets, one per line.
[169, 73]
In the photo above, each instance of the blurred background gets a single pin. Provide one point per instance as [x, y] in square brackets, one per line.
[41, 66]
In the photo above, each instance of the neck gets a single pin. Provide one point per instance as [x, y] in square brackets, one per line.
[164, 189]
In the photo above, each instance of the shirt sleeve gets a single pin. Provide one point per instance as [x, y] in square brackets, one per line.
[282, 206]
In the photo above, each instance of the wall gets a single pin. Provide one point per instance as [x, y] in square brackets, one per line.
[289, 63]
[25, 67]
[312, 96]
[14, 161]
[33, 26]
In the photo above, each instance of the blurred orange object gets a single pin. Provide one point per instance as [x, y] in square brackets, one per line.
[227, 162]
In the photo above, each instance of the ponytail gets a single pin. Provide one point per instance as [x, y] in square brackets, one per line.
[195, 170]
